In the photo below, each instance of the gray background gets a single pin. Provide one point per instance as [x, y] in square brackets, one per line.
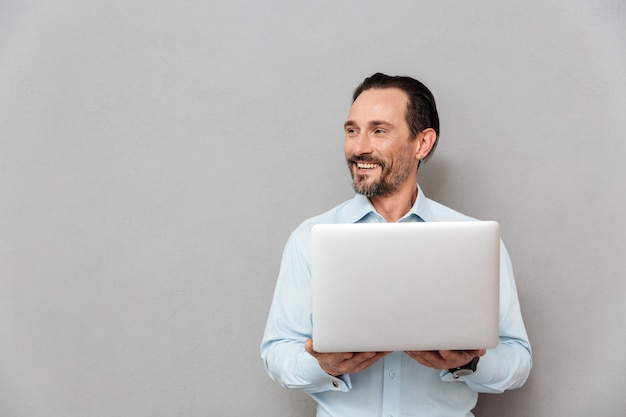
[155, 155]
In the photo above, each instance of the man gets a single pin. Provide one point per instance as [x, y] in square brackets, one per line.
[391, 128]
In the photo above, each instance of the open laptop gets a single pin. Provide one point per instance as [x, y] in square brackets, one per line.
[405, 286]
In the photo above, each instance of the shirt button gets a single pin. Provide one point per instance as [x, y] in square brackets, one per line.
[335, 384]
[392, 374]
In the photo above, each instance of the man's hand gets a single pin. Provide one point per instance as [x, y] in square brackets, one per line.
[336, 364]
[445, 359]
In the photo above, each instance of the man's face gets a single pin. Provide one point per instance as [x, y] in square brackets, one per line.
[380, 156]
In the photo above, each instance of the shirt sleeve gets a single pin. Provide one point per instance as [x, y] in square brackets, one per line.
[508, 365]
[289, 325]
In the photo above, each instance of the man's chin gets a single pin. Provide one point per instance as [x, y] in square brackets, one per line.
[373, 189]
[368, 190]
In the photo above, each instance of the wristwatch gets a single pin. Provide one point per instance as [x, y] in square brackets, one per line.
[465, 370]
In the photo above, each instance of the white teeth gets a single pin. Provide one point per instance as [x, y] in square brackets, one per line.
[366, 166]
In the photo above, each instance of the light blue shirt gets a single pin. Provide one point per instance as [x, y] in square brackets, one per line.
[396, 385]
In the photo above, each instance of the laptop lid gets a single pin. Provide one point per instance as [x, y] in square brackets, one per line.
[405, 286]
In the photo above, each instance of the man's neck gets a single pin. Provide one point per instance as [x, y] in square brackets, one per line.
[393, 207]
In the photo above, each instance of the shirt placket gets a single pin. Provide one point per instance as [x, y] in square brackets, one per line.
[391, 385]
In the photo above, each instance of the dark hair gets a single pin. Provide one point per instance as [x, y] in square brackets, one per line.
[421, 111]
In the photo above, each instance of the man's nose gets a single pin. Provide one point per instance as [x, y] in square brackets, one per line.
[362, 144]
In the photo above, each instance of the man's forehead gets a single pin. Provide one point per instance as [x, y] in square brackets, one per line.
[379, 105]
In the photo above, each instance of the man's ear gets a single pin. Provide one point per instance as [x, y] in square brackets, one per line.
[426, 141]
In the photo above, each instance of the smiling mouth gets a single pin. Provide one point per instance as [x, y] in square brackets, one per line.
[362, 165]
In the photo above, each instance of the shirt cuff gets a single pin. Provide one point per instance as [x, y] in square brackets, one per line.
[322, 380]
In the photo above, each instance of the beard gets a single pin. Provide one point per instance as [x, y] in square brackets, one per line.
[392, 175]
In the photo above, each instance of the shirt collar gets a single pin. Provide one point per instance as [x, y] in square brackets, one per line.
[362, 211]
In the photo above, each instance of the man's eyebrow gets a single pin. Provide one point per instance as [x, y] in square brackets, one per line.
[373, 123]
[379, 123]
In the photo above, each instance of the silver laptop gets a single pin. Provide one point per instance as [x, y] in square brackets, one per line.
[405, 286]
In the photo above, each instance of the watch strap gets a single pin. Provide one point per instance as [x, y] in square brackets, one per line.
[465, 370]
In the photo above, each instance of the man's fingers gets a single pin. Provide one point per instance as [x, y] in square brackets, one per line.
[446, 354]
[366, 363]
[308, 346]
[343, 362]
[445, 359]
